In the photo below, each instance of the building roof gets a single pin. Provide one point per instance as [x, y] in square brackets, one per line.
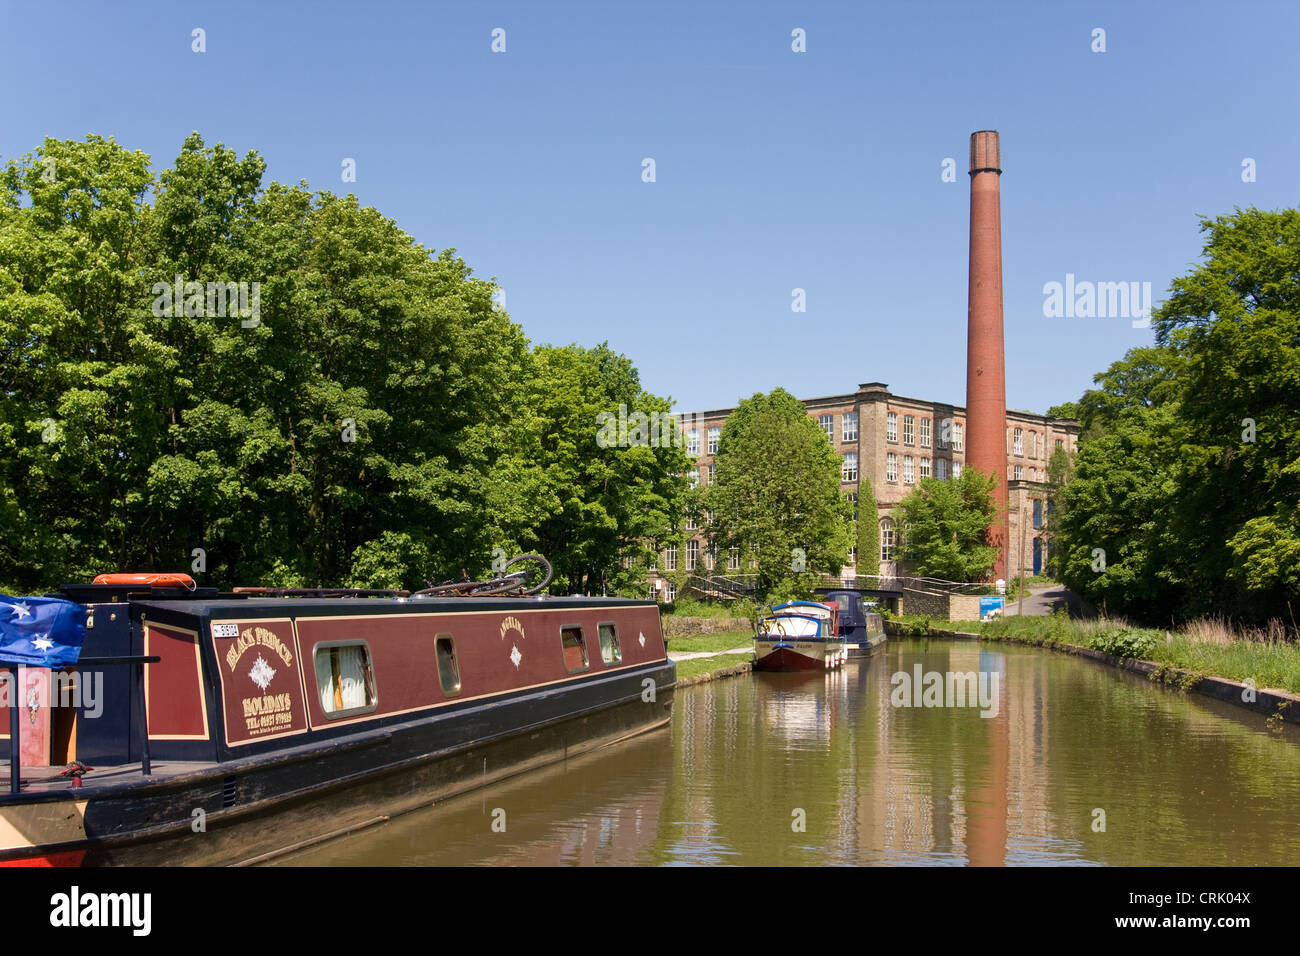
[852, 397]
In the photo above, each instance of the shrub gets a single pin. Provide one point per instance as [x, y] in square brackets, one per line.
[918, 627]
[1125, 641]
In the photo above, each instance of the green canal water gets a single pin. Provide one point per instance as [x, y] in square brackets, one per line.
[823, 769]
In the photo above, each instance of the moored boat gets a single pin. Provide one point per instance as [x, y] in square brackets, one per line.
[799, 635]
[228, 728]
[861, 629]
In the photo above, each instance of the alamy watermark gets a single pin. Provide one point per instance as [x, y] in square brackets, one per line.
[180, 299]
[1073, 299]
[83, 690]
[949, 689]
[74, 908]
[653, 430]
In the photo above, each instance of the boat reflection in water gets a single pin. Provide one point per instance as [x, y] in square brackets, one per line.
[603, 808]
[804, 708]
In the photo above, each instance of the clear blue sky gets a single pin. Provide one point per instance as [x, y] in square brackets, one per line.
[775, 170]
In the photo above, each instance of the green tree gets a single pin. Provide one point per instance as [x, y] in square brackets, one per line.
[71, 222]
[868, 529]
[1187, 485]
[604, 503]
[1235, 321]
[777, 495]
[1064, 410]
[1113, 535]
[1146, 377]
[1060, 469]
[374, 419]
[945, 525]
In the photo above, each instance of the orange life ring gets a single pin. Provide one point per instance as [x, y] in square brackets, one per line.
[148, 579]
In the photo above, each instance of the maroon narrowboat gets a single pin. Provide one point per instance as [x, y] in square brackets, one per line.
[232, 728]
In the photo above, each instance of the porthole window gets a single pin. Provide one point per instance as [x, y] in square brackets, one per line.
[610, 651]
[345, 678]
[448, 665]
[575, 649]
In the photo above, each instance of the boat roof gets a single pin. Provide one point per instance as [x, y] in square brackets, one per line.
[813, 604]
[326, 607]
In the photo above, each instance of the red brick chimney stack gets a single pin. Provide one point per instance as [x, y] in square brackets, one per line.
[986, 386]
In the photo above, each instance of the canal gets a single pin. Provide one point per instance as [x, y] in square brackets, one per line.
[1080, 765]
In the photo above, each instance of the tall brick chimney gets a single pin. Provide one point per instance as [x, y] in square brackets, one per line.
[986, 385]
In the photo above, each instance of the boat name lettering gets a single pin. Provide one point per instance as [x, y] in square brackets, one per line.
[512, 624]
[267, 714]
[267, 704]
[252, 637]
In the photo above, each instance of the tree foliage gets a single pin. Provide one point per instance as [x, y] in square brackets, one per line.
[601, 507]
[945, 527]
[776, 495]
[1189, 486]
[868, 529]
[1060, 470]
[376, 421]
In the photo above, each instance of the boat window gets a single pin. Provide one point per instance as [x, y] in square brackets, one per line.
[797, 626]
[610, 652]
[448, 666]
[575, 649]
[345, 678]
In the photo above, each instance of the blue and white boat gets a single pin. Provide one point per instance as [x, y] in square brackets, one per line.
[861, 629]
[799, 636]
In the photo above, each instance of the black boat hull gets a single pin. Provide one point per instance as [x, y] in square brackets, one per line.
[256, 809]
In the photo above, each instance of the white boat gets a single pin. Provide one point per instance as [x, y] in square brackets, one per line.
[799, 636]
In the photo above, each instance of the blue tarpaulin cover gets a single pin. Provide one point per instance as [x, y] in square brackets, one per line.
[41, 632]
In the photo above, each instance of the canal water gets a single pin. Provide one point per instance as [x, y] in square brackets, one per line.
[1080, 765]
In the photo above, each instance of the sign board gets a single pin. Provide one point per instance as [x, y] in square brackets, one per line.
[261, 690]
[991, 607]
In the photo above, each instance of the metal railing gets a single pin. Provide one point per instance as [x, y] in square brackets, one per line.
[137, 663]
[905, 582]
[746, 585]
[719, 585]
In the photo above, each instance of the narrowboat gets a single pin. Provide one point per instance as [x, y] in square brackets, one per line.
[227, 728]
[798, 636]
[861, 630]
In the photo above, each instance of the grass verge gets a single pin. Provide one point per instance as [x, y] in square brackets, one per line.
[725, 641]
[698, 666]
[1270, 662]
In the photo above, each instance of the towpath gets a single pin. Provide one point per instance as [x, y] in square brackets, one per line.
[689, 655]
[1042, 600]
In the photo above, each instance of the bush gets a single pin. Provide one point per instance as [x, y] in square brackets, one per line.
[917, 627]
[1125, 641]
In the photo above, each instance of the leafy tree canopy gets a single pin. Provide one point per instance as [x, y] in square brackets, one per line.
[1190, 481]
[273, 385]
[868, 530]
[776, 495]
[945, 525]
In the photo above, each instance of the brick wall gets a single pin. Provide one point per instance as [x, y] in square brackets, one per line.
[964, 607]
